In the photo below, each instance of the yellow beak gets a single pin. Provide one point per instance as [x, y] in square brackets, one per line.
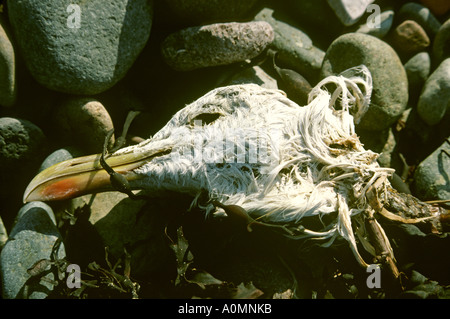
[83, 175]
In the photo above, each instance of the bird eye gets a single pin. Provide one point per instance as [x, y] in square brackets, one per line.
[205, 118]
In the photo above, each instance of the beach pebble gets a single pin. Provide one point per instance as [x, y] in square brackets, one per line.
[441, 45]
[386, 20]
[349, 11]
[83, 122]
[390, 84]
[8, 86]
[420, 14]
[201, 11]
[216, 44]
[431, 175]
[81, 48]
[434, 101]
[409, 38]
[31, 239]
[417, 69]
[20, 142]
[295, 48]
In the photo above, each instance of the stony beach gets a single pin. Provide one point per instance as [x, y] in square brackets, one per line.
[69, 74]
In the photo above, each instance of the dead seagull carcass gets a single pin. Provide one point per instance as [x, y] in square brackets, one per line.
[254, 148]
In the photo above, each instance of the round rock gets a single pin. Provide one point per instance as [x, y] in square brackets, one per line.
[434, 101]
[199, 11]
[431, 175]
[409, 37]
[31, 239]
[441, 45]
[390, 83]
[20, 141]
[216, 44]
[83, 122]
[8, 89]
[80, 48]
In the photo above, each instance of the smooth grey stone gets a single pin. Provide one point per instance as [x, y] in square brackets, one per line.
[432, 175]
[8, 85]
[20, 141]
[349, 11]
[434, 101]
[386, 20]
[295, 48]
[390, 84]
[417, 69]
[216, 44]
[441, 45]
[420, 14]
[31, 239]
[85, 53]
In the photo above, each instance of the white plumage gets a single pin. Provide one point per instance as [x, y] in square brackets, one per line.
[279, 161]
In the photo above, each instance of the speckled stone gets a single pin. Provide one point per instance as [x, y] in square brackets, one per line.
[409, 37]
[216, 44]
[31, 239]
[85, 55]
[20, 142]
[390, 84]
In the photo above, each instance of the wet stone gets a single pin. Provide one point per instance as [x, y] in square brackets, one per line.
[390, 84]
[82, 49]
[216, 44]
[434, 100]
[83, 122]
[32, 238]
